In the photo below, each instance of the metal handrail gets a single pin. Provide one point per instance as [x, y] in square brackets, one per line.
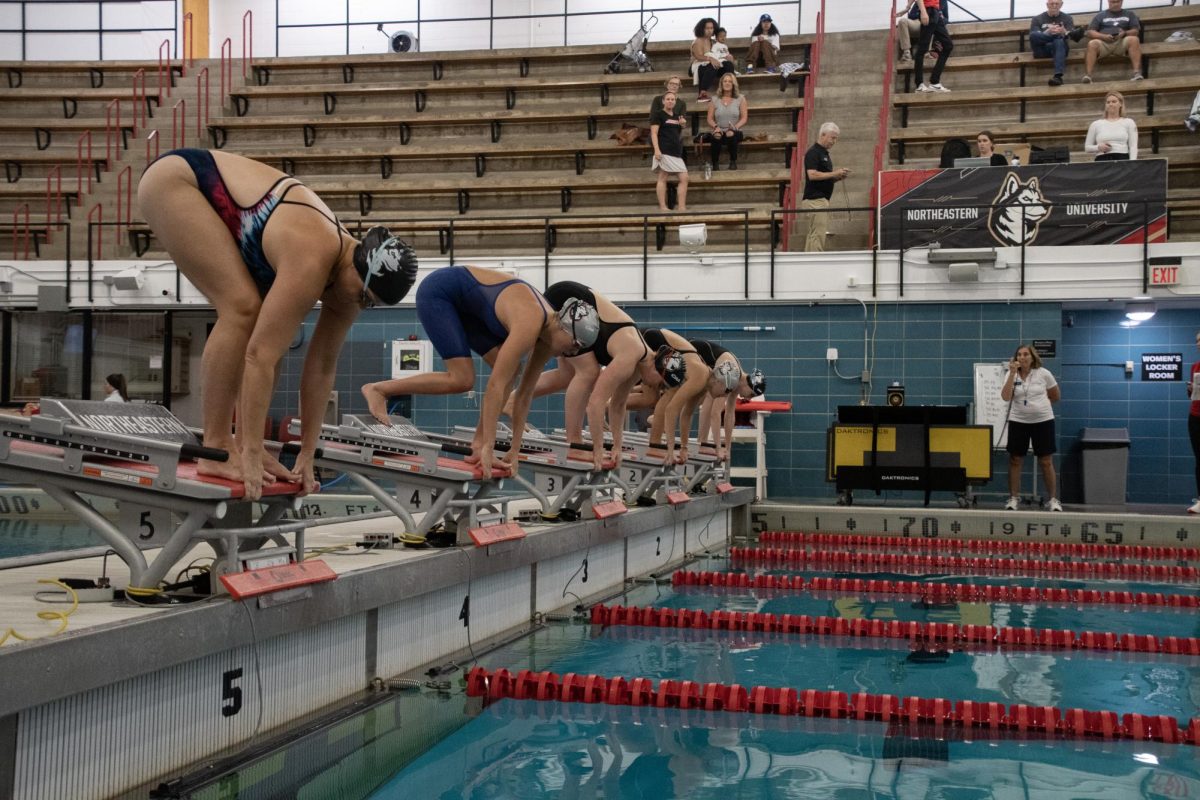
[164, 71]
[189, 57]
[179, 122]
[82, 167]
[248, 41]
[153, 137]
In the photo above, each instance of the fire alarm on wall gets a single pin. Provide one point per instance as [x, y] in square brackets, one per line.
[895, 394]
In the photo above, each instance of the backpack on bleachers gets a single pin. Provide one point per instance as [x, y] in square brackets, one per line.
[952, 149]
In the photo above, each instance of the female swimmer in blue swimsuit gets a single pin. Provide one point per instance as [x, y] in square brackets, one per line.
[467, 310]
[264, 249]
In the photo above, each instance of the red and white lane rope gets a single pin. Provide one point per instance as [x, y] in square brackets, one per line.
[923, 563]
[839, 541]
[964, 714]
[943, 634]
[936, 592]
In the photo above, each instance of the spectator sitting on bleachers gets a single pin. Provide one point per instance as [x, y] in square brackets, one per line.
[987, 149]
[906, 25]
[1048, 34]
[667, 140]
[933, 30]
[764, 46]
[1114, 136]
[673, 84]
[706, 71]
[1111, 33]
[720, 50]
[727, 116]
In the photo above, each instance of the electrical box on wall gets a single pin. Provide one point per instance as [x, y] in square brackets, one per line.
[411, 357]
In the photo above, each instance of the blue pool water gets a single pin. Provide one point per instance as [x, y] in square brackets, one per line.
[526, 749]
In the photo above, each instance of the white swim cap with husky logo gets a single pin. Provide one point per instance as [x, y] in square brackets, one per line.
[729, 374]
[581, 321]
[758, 383]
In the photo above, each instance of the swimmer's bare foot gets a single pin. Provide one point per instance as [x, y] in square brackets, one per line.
[376, 403]
[274, 470]
[230, 470]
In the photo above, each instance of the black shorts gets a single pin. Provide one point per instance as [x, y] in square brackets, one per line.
[1020, 434]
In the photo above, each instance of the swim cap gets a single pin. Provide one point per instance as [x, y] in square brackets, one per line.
[668, 362]
[758, 382]
[729, 374]
[581, 321]
[386, 264]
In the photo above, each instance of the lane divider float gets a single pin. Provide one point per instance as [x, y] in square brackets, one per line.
[1074, 723]
[920, 562]
[936, 592]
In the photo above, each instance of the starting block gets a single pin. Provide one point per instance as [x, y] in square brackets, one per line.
[644, 478]
[566, 488]
[449, 491]
[142, 456]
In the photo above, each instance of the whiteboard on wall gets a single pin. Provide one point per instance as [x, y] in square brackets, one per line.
[990, 409]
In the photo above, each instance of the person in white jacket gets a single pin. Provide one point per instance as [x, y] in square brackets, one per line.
[1114, 136]
[764, 46]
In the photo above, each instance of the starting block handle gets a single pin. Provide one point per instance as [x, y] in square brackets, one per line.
[200, 451]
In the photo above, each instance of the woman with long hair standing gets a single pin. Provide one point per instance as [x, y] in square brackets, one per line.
[1029, 389]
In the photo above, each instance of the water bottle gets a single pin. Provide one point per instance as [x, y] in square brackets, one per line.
[707, 171]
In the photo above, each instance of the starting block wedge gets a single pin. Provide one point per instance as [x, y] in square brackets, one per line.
[678, 498]
[612, 508]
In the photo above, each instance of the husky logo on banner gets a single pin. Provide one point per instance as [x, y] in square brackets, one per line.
[1018, 211]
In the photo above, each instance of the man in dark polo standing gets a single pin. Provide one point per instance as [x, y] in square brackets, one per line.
[820, 176]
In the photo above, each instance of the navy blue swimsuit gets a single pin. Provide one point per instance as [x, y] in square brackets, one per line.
[459, 313]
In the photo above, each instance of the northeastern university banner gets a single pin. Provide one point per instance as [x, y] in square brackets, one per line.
[1104, 202]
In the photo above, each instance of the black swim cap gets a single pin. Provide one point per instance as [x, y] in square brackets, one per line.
[668, 362]
[386, 264]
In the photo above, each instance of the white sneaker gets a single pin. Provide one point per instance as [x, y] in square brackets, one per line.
[925, 87]
[1194, 508]
[1055, 505]
[1012, 505]
[937, 87]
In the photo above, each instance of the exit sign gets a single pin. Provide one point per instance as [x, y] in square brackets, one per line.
[1164, 276]
[1164, 270]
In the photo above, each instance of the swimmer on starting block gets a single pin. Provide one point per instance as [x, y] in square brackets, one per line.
[686, 377]
[263, 248]
[503, 319]
[728, 382]
[618, 348]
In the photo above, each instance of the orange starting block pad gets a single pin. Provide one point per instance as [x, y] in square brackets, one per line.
[613, 508]
[764, 405]
[724, 487]
[495, 534]
[252, 583]
[143, 457]
[678, 498]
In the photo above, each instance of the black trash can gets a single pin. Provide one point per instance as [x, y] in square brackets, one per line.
[1105, 465]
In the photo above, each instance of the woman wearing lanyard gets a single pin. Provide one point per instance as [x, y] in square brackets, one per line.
[1029, 390]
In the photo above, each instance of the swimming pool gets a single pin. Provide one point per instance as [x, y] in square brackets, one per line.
[542, 749]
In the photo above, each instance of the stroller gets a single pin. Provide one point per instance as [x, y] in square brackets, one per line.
[634, 50]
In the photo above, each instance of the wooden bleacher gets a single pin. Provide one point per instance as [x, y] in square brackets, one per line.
[997, 86]
[491, 140]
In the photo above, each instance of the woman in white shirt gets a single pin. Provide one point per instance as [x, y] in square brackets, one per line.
[1029, 390]
[1114, 136]
[764, 46]
[115, 389]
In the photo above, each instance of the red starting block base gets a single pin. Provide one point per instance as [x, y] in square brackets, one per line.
[678, 498]
[724, 487]
[612, 508]
[494, 534]
[251, 583]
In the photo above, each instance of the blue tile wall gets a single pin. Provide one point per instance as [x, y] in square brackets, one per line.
[930, 348]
